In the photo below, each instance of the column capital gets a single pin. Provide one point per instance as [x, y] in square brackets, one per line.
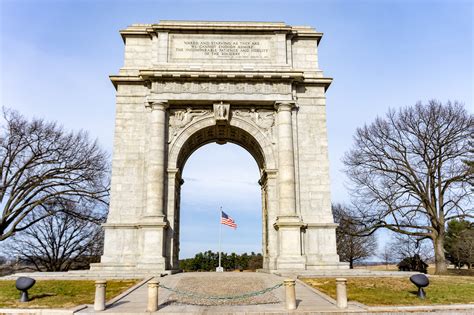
[157, 104]
[285, 105]
[172, 171]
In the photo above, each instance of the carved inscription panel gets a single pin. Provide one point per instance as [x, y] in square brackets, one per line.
[189, 47]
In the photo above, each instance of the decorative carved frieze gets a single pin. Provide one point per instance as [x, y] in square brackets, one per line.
[219, 87]
[263, 119]
[179, 119]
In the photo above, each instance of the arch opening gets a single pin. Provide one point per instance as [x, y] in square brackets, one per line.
[221, 135]
[210, 184]
[248, 138]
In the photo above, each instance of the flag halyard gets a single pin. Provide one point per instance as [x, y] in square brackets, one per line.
[227, 220]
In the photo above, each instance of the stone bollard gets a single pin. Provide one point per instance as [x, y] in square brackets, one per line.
[153, 285]
[341, 292]
[290, 294]
[99, 302]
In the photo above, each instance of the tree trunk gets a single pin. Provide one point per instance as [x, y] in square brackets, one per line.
[440, 260]
[351, 263]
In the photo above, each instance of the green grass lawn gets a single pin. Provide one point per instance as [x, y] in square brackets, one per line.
[58, 293]
[400, 291]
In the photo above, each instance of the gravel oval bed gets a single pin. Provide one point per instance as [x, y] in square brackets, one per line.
[222, 285]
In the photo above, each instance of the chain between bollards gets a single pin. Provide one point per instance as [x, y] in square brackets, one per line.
[99, 301]
[233, 297]
[154, 284]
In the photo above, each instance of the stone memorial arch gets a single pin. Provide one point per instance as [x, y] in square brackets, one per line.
[185, 84]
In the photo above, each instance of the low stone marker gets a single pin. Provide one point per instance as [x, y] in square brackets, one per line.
[341, 292]
[23, 284]
[99, 301]
[152, 305]
[290, 294]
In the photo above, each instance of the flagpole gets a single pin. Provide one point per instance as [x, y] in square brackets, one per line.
[220, 236]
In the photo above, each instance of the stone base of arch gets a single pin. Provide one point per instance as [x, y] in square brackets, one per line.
[120, 258]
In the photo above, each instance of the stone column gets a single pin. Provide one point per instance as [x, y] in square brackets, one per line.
[153, 221]
[156, 159]
[288, 222]
[286, 162]
[272, 212]
[172, 216]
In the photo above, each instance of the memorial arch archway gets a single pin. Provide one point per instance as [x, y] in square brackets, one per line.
[187, 83]
[206, 130]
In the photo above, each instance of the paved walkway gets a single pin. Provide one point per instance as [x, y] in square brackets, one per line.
[135, 302]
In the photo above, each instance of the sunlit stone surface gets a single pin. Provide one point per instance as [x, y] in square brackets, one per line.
[185, 84]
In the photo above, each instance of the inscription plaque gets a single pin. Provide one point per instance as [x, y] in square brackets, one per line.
[183, 47]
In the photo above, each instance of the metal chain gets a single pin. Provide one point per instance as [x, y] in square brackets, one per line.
[235, 297]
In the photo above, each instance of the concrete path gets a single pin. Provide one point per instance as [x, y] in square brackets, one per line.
[307, 300]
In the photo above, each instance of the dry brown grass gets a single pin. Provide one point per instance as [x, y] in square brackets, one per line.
[58, 293]
[400, 291]
[431, 269]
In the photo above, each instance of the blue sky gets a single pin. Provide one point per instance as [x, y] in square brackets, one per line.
[56, 57]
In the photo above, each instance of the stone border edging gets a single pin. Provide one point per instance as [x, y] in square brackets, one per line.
[423, 308]
[323, 295]
[78, 308]
[333, 301]
[127, 292]
[35, 311]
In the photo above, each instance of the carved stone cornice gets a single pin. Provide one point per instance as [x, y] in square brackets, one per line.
[219, 26]
[146, 76]
[155, 74]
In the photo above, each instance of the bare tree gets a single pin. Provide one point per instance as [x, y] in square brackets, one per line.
[387, 255]
[407, 171]
[59, 241]
[405, 246]
[352, 246]
[43, 165]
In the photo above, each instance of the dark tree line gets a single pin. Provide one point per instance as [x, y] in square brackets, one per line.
[208, 261]
[459, 243]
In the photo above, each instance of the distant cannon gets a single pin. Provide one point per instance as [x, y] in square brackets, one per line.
[421, 281]
[23, 284]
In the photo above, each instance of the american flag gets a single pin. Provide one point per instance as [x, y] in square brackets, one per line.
[227, 220]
